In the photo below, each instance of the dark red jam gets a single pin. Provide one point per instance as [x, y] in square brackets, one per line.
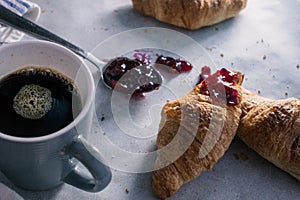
[219, 86]
[142, 56]
[177, 64]
[131, 76]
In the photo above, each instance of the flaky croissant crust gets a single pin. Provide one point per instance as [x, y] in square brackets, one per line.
[179, 118]
[272, 129]
[190, 14]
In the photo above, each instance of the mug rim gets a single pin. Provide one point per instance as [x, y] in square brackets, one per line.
[85, 108]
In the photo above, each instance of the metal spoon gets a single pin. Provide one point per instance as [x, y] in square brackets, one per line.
[22, 24]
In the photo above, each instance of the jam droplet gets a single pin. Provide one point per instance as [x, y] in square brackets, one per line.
[142, 56]
[219, 86]
[131, 76]
[177, 64]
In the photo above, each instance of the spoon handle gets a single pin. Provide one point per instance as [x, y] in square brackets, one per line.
[9, 18]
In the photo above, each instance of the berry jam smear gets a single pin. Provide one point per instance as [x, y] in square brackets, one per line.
[131, 76]
[137, 75]
[177, 64]
[219, 86]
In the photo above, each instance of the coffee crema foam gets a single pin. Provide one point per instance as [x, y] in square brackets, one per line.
[33, 101]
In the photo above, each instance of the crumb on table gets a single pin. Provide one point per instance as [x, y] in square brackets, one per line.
[241, 156]
[244, 156]
[236, 156]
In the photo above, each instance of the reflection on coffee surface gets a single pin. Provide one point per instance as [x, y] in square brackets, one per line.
[36, 101]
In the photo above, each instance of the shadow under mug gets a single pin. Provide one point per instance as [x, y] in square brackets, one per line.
[42, 163]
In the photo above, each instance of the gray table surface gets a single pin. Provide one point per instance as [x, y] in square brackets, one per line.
[269, 28]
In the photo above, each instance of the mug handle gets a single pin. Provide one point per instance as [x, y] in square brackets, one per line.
[101, 174]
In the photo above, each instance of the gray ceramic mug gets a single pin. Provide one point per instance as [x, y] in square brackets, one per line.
[41, 163]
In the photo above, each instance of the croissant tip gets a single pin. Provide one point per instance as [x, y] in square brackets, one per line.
[240, 76]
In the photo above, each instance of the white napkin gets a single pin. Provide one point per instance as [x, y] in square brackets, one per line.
[24, 8]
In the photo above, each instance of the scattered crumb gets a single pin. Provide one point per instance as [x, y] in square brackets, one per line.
[274, 76]
[102, 118]
[145, 30]
[236, 156]
[258, 91]
[61, 60]
[209, 48]
[298, 66]
[241, 156]
[216, 28]
[232, 63]
[126, 190]
[264, 57]
[261, 41]
[12, 55]
[104, 133]
[116, 10]
[244, 156]
[286, 93]
[222, 55]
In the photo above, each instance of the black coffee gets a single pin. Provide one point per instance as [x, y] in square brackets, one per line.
[37, 101]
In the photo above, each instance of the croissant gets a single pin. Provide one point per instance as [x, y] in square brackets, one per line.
[272, 129]
[196, 130]
[190, 14]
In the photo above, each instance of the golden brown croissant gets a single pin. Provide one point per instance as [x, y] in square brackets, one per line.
[190, 14]
[272, 129]
[195, 132]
